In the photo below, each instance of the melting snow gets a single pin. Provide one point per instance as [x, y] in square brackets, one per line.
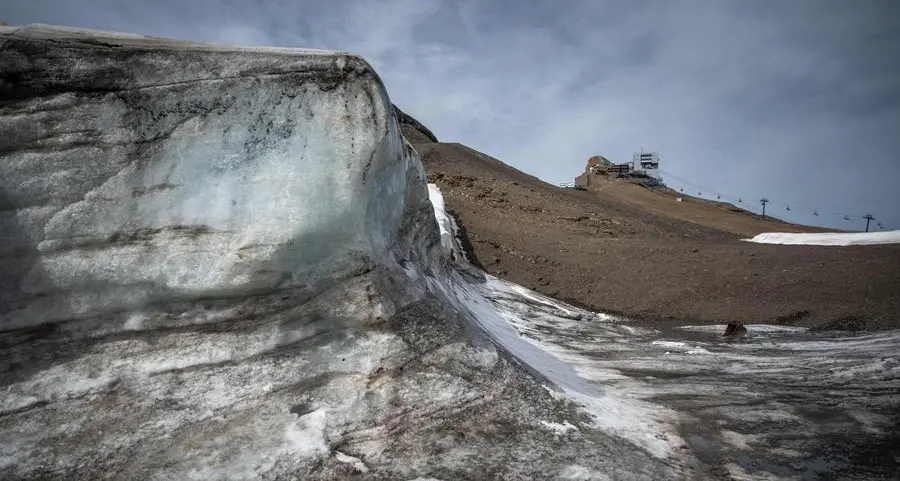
[444, 221]
[828, 238]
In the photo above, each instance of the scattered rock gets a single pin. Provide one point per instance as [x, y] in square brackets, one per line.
[735, 329]
[405, 119]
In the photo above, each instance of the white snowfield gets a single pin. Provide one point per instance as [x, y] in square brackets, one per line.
[828, 238]
[223, 263]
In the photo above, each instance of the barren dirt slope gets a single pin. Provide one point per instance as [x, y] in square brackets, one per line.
[718, 215]
[606, 253]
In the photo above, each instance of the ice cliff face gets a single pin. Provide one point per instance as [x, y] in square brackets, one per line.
[138, 171]
[188, 233]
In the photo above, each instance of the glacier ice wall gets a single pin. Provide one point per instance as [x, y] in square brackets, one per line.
[200, 250]
[137, 171]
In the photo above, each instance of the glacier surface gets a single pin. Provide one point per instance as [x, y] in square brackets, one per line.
[225, 263]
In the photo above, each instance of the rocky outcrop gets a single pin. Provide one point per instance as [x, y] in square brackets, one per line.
[735, 329]
[414, 131]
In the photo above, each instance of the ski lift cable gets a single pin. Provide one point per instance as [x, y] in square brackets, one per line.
[792, 207]
[691, 184]
[703, 188]
[733, 199]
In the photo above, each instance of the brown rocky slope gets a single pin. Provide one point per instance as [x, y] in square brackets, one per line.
[609, 251]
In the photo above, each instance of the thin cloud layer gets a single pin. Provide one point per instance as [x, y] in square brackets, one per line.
[797, 101]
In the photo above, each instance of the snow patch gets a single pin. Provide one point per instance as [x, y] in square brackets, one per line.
[446, 224]
[828, 238]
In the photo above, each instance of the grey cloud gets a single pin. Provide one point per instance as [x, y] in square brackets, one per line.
[795, 100]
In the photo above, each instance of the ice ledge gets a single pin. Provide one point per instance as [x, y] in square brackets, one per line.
[40, 31]
[134, 61]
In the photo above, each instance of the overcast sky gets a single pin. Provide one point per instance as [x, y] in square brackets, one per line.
[795, 100]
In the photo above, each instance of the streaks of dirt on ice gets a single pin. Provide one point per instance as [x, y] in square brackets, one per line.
[779, 403]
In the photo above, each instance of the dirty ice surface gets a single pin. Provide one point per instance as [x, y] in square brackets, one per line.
[828, 238]
[776, 404]
[779, 403]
